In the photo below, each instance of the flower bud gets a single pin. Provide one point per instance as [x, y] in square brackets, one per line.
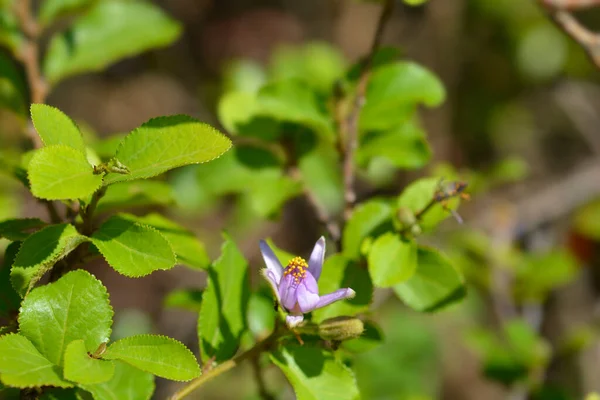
[406, 216]
[341, 328]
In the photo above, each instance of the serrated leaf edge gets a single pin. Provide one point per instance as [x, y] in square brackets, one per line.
[60, 111]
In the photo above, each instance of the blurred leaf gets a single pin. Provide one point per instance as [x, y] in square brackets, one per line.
[74, 307]
[9, 299]
[371, 338]
[340, 272]
[415, 2]
[13, 91]
[130, 322]
[19, 229]
[542, 51]
[245, 76]
[393, 92]
[587, 220]
[404, 146]
[512, 169]
[416, 196]
[283, 256]
[222, 319]
[125, 195]
[106, 148]
[10, 32]
[186, 299]
[81, 368]
[435, 284]
[109, 32]
[261, 314]
[165, 143]
[133, 249]
[539, 274]
[318, 64]
[39, 252]
[60, 173]
[189, 250]
[22, 365]
[367, 219]
[235, 109]
[159, 355]
[315, 374]
[392, 260]
[384, 55]
[51, 9]
[54, 127]
[128, 383]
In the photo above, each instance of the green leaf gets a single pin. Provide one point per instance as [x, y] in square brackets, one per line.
[222, 318]
[244, 76]
[40, 251]
[165, 143]
[13, 91]
[124, 195]
[54, 127]
[293, 101]
[404, 146]
[368, 219]
[81, 368]
[340, 272]
[74, 307]
[133, 249]
[9, 299]
[393, 92]
[60, 173]
[435, 284]
[189, 250]
[110, 31]
[107, 147]
[418, 195]
[22, 365]
[392, 260]
[261, 314]
[371, 338]
[159, 355]
[52, 9]
[18, 228]
[128, 383]
[186, 299]
[315, 374]
[538, 274]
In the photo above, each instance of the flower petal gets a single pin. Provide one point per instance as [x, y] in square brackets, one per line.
[315, 262]
[292, 320]
[339, 294]
[311, 283]
[287, 292]
[307, 300]
[271, 260]
[270, 277]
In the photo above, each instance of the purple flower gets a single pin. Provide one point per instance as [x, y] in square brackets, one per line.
[295, 286]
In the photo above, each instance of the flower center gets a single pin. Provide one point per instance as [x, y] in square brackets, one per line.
[297, 268]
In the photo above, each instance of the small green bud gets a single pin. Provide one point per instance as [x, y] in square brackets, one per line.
[406, 216]
[117, 167]
[416, 230]
[341, 328]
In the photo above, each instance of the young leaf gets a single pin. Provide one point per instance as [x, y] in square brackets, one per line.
[404, 146]
[128, 383]
[392, 260]
[40, 251]
[18, 229]
[9, 299]
[393, 93]
[418, 194]
[60, 172]
[366, 219]
[165, 143]
[189, 250]
[74, 307]
[81, 368]
[186, 299]
[22, 365]
[340, 272]
[222, 317]
[97, 39]
[133, 249]
[315, 374]
[54, 127]
[125, 195]
[159, 355]
[435, 284]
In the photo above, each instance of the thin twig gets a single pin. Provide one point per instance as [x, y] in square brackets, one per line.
[589, 40]
[349, 125]
[87, 213]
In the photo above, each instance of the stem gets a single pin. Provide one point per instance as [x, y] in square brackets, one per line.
[51, 207]
[349, 125]
[254, 352]
[87, 213]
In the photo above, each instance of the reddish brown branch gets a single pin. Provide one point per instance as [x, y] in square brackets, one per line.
[349, 125]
